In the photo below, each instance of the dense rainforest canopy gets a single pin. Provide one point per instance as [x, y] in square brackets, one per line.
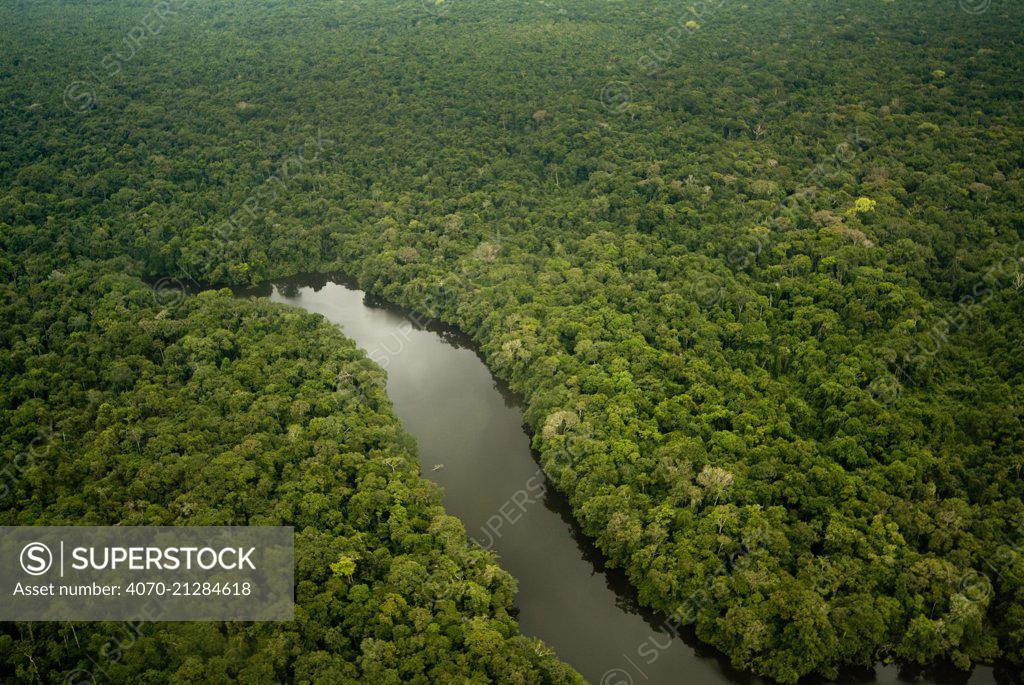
[756, 269]
[213, 411]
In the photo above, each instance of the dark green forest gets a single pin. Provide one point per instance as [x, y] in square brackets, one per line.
[213, 411]
[756, 270]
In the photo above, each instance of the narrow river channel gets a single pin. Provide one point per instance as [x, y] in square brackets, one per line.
[471, 440]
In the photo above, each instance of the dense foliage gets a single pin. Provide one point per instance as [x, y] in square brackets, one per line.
[214, 411]
[756, 269]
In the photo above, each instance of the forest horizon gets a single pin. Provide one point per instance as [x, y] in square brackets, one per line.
[715, 306]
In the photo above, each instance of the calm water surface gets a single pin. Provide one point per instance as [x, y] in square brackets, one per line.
[471, 425]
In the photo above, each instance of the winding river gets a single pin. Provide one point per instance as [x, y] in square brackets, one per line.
[472, 442]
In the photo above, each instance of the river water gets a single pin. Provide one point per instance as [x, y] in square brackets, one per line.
[471, 439]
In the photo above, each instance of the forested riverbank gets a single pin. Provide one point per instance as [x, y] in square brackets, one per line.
[755, 269]
[206, 410]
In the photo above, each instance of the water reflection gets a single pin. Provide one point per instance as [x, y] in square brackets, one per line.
[472, 424]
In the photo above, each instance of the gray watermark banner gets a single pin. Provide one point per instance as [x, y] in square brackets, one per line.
[146, 573]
